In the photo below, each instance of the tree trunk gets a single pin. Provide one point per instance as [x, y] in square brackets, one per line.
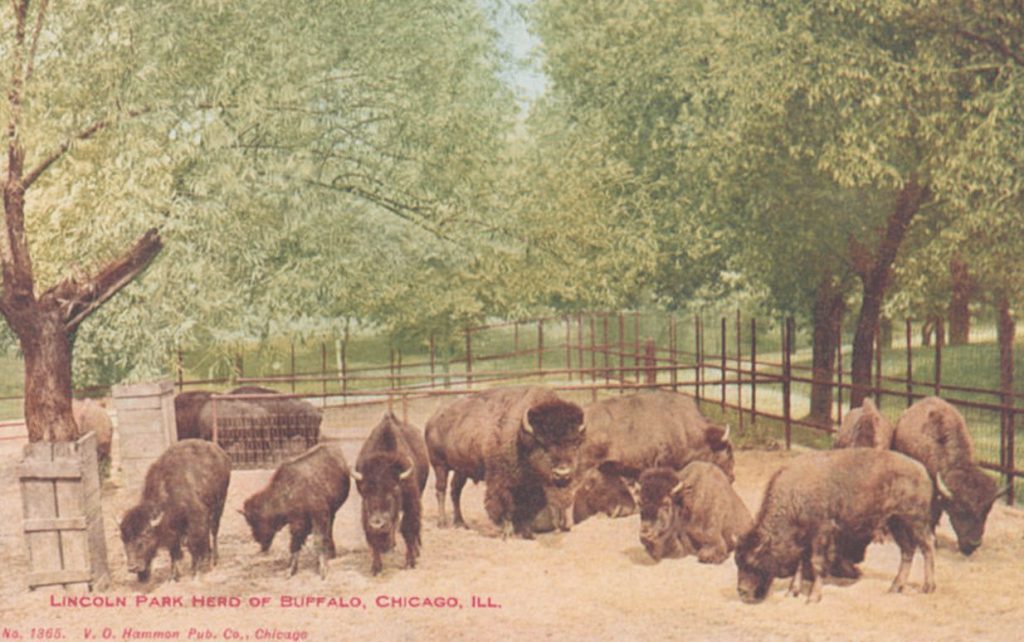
[876, 281]
[1005, 331]
[959, 302]
[47, 356]
[828, 311]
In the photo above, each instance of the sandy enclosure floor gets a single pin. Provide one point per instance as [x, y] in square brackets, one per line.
[595, 582]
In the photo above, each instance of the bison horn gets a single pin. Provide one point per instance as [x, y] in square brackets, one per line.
[1004, 491]
[728, 429]
[526, 423]
[241, 512]
[676, 489]
[405, 473]
[156, 520]
[942, 488]
[583, 427]
[356, 475]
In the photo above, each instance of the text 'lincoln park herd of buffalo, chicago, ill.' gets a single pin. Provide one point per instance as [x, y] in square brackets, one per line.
[548, 463]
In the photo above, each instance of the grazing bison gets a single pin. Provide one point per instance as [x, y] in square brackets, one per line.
[391, 473]
[182, 500]
[864, 427]
[523, 441]
[820, 495]
[694, 510]
[304, 493]
[91, 416]
[934, 433]
[627, 435]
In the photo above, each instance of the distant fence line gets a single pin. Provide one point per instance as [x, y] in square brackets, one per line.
[720, 361]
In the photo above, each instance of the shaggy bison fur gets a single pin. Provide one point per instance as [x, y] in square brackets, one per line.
[691, 511]
[91, 416]
[391, 473]
[523, 441]
[182, 501]
[933, 432]
[821, 495]
[304, 493]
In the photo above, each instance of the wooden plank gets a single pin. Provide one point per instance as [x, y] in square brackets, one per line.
[55, 524]
[146, 389]
[64, 576]
[38, 502]
[148, 423]
[48, 470]
[74, 544]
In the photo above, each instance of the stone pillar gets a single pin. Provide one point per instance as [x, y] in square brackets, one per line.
[145, 426]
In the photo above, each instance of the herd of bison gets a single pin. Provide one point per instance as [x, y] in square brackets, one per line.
[548, 463]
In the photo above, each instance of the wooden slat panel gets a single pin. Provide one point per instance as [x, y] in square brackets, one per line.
[46, 578]
[55, 524]
[60, 469]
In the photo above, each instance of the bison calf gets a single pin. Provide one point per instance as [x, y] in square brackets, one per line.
[391, 473]
[821, 495]
[934, 433]
[692, 511]
[304, 493]
[182, 499]
[864, 427]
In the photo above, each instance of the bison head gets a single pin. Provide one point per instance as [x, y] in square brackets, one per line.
[967, 497]
[139, 533]
[755, 567]
[721, 449]
[263, 528]
[551, 434]
[379, 482]
[660, 513]
[601, 492]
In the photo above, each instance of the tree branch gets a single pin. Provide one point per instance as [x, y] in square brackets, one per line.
[35, 39]
[85, 134]
[998, 44]
[79, 300]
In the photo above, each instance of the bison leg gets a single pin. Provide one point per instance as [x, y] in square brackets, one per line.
[198, 541]
[329, 547]
[176, 557]
[820, 546]
[410, 528]
[907, 547]
[440, 486]
[324, 542]
[458, 483]
[796, 585]
[713, 553]
[377, 564]
[299, 530]
[927, 544]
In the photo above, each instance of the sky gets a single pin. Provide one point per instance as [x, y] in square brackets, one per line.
[523, 72]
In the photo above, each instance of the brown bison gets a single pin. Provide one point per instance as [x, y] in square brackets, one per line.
[187, 406]
[691, 511]
[304, 493]
[182, 501]
[600, 492]
[523, 441]
[864, 427]
[627, 435]
[934, 433]
[391, 473]
[91, 416]
[820, 495]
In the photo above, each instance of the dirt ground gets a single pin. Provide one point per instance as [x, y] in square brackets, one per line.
[595, 582]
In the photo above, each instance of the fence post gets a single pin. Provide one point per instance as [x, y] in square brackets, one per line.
[753, 371]
[697, 341]
[292, 365]
[939, 333]
[181, 371]
[323, 374]
[568, 348]
[787, 338]
[722, 369]
[344, 370]
[839, 370]
[878, 366]
[650, 363]
[622, 350]
[910, 367]
[433, 357]
[604, 349]
[579, 346]
[673, 350]
[593, 357]
[239, 366]
[540, 345]
[739, 367]
[469, 358]
[636, 346]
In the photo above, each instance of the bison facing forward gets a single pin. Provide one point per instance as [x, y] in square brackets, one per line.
[934, 433]
[304, 494]
[819, 496]
[523, 441]
[692, 511]
[182, 501]
[391, 473]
